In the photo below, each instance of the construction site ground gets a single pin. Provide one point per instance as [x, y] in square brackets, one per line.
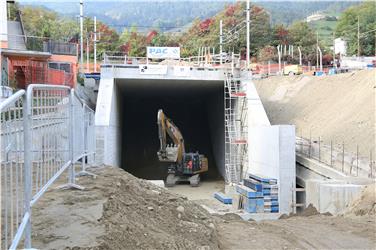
[119, 211]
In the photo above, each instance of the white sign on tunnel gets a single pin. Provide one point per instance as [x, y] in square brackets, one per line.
[163, 52]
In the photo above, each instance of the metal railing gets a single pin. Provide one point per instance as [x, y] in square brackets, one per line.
[202, 60]
[44, 132]
[337, 156]
[41, 44]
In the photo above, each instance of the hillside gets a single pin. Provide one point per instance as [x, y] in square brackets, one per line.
[338, 108]
[174, 14]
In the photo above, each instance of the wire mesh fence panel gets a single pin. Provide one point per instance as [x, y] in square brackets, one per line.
[11, 171]
[44, 131]
[49, 111]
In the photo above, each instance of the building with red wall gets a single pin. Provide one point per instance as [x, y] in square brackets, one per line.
[26, 60]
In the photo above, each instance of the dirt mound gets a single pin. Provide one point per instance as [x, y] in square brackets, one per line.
[309, 211]
[140, 215]
[339, 107]
[366, 204]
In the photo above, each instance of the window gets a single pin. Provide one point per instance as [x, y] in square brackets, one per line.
[60, 66]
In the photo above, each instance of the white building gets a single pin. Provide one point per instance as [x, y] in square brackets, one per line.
[340, 46]
[315, 17]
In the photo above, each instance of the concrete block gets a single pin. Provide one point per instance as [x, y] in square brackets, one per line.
[334, 198]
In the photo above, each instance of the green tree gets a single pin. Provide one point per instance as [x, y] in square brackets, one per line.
[347, 28]
[301, 35]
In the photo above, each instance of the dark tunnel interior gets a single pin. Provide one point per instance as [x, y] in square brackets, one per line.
[195, 107]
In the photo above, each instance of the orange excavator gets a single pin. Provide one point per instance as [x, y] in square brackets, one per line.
[184, 166]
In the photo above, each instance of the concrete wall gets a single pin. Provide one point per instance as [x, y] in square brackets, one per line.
[272, 154]
[331, 196]
[271, 149]
[217, 128]
[327, 189]
[107, 123]
[3, 24]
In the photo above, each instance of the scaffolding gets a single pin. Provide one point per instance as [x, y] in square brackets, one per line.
[235, 128]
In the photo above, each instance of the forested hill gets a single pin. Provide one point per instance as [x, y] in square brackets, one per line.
[175, 15]
[287, 12]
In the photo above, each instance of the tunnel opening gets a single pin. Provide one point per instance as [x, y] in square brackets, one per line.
[196, 108]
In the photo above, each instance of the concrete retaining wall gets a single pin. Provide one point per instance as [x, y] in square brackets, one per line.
[271, 149]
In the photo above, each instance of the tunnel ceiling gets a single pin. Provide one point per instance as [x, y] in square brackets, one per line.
[167, 88]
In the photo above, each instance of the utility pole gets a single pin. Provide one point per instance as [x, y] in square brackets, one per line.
[95, 44]
[220, 41]
[87, 53]
[300, 56]
[279, 48]
[358, 38]
[248, 34]
[81, 34]
[317, 50]
[292, 51]
[334, 50]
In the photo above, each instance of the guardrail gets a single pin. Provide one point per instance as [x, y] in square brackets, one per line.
[41, 44]
[337, 157]
[39, 142]
[202, 60]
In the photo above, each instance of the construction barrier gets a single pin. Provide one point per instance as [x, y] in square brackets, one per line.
[39, 142]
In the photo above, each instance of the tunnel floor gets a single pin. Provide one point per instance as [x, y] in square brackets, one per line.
[140, 143]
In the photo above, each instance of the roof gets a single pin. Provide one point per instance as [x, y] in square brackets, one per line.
[28, 53]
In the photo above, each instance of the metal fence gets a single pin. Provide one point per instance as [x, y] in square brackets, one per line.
[338, 156]
[44, 132]
[203, 59]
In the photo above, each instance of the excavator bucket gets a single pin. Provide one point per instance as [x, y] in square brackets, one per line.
[170, 155]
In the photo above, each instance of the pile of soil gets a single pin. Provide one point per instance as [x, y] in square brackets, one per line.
[339, 107]
[139, 214]
[308, 211]
[366, 204]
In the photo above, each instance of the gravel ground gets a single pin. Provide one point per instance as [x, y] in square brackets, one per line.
[119, 211]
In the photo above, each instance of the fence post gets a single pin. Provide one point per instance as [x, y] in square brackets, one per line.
[370, 163]
[343, 157]
[319, 148]
[357, 160]
[85, 125]
[331, 153]
[310, 144]
[27, 166]
[71, 135]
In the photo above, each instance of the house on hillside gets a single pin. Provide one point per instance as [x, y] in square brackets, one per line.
[340, 47]
[316, 17]
[26, 59]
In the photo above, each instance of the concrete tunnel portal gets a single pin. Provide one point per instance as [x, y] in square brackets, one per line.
[195, 106]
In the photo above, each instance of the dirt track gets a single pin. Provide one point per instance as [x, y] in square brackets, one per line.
[119, 211]
[339, 107]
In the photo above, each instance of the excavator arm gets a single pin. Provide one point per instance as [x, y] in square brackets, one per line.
[174, 152]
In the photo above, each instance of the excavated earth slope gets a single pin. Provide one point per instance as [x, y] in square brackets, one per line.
[339, 107]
